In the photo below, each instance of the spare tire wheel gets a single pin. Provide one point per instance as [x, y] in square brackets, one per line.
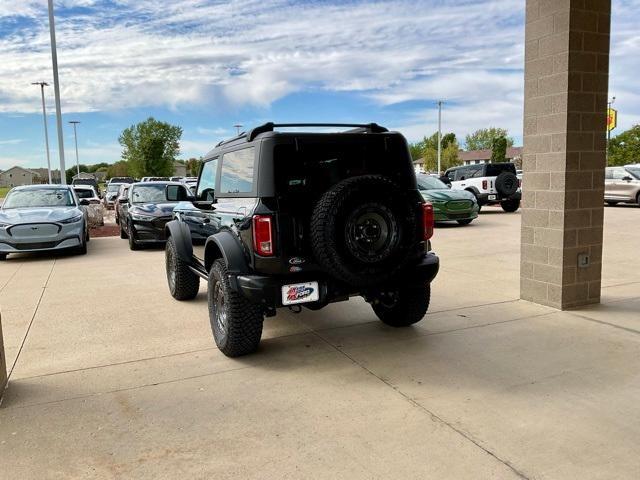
[506, 184]
[363, 230]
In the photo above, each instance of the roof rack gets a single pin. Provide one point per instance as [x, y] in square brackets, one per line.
[357, 127]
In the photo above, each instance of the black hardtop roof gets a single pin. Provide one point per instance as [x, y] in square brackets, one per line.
[268, 130]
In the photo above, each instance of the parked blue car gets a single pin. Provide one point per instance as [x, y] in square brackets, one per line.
[34, 218]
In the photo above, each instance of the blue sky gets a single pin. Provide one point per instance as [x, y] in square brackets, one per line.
[208, 64]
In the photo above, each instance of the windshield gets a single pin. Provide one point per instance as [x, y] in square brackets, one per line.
[41, 197]
[425, 182]
[149, 194]
[113, 187]
[84, 193]
[635, 171]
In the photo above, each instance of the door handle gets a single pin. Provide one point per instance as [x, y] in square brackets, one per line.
[241, 212]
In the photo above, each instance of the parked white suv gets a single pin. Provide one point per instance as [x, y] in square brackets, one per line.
[622, 184]
[491, 183]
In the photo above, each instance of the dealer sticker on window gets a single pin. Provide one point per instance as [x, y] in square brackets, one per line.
[300, 293]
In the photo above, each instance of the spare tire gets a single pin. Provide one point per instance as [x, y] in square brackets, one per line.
[506, 183]
[364, 230]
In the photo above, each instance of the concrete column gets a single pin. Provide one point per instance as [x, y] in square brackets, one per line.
[3, 364]
[566, 82]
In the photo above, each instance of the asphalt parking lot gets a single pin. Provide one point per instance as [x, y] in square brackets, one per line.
[112, 378]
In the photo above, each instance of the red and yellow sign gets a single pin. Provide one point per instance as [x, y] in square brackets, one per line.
[612, 119]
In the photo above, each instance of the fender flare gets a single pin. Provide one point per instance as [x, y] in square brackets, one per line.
[182, 236]
[224, 245]
[473, 190]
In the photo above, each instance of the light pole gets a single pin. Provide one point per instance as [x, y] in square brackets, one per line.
[75, 135]
[56, 90]
[611, 102]
[439, 135]
[237, 127]
[46, 130]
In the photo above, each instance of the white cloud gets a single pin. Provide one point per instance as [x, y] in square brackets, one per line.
[11, 141]
[131, 53]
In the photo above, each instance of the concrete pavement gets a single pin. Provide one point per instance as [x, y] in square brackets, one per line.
[111, 378]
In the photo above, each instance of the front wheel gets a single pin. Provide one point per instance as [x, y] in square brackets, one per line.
[133, 243]
[510, 206]
[613, 204]
[404, 306]
[235, 322]
[183, 283]
[3, 256]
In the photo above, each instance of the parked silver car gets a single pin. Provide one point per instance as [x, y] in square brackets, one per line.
[622, 185]
[42, 217]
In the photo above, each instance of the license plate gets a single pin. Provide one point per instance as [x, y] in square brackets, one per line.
[492, 197]
[300, 293]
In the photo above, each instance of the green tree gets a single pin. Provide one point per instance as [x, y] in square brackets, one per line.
[151, 147]
[448, 159]
[193, 166]
[482, 139]
[499, 150]
[418, 149]
[98, 167]
[70, 172]
[625, 147]
[118, 169]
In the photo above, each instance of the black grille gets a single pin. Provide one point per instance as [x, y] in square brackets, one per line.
[34, 246]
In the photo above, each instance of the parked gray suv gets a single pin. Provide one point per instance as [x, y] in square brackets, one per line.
[622, 185]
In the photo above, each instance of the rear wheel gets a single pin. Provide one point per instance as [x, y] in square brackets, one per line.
[235, 322]
[403, 306]
[3, 256]
[638, 199]
[613, 204]
[465, 222]
[510, 205]
[183, 283]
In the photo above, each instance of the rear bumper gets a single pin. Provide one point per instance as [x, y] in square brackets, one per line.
[266, 290]
[485, 198]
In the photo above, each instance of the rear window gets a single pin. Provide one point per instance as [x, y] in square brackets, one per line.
[84, 193]
[237, 171]
[495, 169]
[313, 163]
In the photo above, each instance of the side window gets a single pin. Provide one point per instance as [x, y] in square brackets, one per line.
[207, 181]
[461, 173]
[452, 175]
[619, 173]
[608, 173]
[237, 171]
[474, 172]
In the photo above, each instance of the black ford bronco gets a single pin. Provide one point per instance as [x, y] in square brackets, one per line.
[292, 219]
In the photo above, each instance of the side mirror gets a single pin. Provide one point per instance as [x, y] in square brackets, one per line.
[177, 193]
[448, 185]
[122, 200]
[84, 202]
[627, 178]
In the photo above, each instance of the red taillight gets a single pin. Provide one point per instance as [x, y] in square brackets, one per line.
[427, 220]
[263, 235]
[484, 184]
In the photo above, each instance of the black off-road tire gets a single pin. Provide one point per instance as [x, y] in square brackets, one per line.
[411, 305]
[243, 330]
[183, 283]
[466, 221]
[329, 229]
[506, 184]
[510, 206]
